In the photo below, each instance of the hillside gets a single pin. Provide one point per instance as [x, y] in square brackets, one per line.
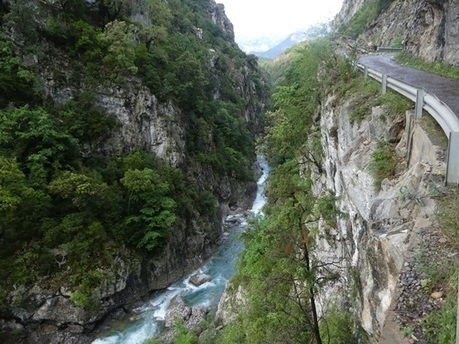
[127, 133]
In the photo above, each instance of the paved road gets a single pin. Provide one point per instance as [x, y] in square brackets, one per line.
[445, 89]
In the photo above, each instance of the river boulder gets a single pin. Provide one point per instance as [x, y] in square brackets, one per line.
[177, 310]
[199, 279]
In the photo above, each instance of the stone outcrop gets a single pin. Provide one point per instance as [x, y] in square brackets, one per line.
[199, 279]
[178, 311]
[371, 238]
[369, 243]
[231, 303]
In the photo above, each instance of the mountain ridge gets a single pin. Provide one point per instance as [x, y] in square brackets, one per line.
[270, 48]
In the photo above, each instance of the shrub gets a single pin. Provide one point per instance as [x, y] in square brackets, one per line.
[383, 163]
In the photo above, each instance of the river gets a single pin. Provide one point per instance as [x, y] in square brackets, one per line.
[149, 321]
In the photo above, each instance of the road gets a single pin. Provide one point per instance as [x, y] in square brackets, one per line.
[446, 89]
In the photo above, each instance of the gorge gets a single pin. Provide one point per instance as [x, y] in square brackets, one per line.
[128, 134]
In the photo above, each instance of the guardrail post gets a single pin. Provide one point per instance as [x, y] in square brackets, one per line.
[384, 83]
[365, 73]
[452, 167]
[419, 103]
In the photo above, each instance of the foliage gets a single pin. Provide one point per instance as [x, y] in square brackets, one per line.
[278, 271]
[68, 208]
[183, 335]
[75, 215]
[396, 104]
[16, 81]
[397, 42]
[22, 20]
[117, 38]
[296, 102]
[339, 327]
[365, 95]
[364, 101]
[33, 136]
[449, 217]
[441, 324]
[84, 120]
[150, 211]
[384, 163]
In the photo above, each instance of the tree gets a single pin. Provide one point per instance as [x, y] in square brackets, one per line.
[16, 82]
[34, 138]
[120, 46]
[149, 208]
[21, 207]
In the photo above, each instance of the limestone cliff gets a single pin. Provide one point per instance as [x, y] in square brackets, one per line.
[371, 239]
[428, 29]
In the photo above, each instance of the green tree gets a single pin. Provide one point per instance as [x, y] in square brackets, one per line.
[23, 19]
[33, 136]
[21, 208]
[150, 210]
[16, 82]
[119, 41]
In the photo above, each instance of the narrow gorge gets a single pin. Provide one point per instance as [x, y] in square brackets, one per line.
[129, 133]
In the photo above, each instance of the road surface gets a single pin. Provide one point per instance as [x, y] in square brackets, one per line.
[446, 89]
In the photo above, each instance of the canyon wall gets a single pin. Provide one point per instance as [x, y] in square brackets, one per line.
[371, 236]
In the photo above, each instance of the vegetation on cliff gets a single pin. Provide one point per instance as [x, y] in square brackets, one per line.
[279, 270]
[68, 212]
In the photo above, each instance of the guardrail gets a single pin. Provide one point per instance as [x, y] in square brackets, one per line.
[388, 49]
[435, 107]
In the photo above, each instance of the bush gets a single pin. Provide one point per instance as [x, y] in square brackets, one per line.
[384, 162]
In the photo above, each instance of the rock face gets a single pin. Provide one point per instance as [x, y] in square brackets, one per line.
[231, 302]
[179, 311]
[371, 240]
[218, 15]
[428, 29]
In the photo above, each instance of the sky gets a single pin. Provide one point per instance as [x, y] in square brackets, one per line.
[276, 18]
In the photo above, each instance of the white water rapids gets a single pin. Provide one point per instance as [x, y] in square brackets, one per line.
[149, 321]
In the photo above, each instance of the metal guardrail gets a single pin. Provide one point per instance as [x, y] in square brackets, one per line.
[445, 117]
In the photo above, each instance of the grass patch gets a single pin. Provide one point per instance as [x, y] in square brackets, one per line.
[396, 103]
[440, 326]
[448, 217]
[440, 68]
[365, 94]
[383, 163]
[341, 327]
[434, 130]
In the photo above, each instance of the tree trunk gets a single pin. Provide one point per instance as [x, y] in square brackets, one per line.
[315, 318]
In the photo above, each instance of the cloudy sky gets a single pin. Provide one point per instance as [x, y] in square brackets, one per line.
[276, 18]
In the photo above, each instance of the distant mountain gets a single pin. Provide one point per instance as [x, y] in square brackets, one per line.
[311, 32]
[259, 44]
